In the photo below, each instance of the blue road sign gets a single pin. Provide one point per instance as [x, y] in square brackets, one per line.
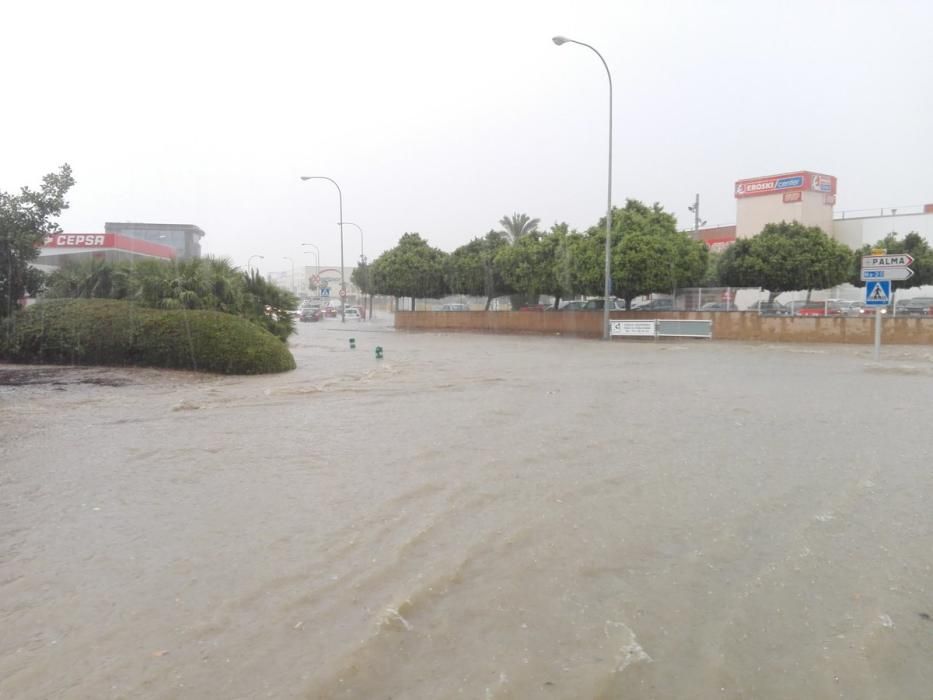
[878, 293]
[325, 291]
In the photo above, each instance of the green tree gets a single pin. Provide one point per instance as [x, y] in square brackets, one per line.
[411, 269]
[91, 279]
[472, 268]
[539, 264]
[711, 276]
[26, 219]
[914, 245]
[518, 225]
[649, 254]
[786, 257]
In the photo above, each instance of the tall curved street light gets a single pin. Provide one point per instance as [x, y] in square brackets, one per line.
[293, 272]
[343, 283]
[350, 223]
[317, 254]
[250, 261]
[560, 40]
[362, 256]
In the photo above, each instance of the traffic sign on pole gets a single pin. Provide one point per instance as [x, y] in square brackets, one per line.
[899, 260]
[878, 293]
[886, 273]
[325, 291]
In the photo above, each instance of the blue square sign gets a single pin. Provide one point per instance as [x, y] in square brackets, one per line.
[878, 293]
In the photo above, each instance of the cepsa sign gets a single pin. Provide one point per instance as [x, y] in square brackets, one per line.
[80, 240]
[789, 182]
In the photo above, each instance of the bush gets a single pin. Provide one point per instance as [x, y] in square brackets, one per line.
[107, 332]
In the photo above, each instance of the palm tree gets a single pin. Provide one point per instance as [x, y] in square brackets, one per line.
[518, 225]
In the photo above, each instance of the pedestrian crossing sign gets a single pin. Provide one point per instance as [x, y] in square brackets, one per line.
[878, 293]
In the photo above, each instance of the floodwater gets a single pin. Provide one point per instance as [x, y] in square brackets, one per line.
[473, 516]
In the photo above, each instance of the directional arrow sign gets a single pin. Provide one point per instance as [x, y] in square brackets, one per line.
[900, 260]
[886, 273]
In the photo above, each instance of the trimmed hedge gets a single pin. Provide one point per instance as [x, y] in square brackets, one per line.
[108, 332]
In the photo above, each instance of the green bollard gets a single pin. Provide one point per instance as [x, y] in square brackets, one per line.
[353, 343]
[378, 352]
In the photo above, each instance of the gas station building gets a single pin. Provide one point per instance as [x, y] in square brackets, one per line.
[111, 247]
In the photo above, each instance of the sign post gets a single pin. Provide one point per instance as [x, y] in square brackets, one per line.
[878, 270]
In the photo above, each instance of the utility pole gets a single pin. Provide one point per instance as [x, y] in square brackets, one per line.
[695, 208]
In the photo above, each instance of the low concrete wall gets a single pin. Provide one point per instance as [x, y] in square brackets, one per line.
[735, 325]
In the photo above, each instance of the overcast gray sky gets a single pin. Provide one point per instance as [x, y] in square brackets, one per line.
[441, 117]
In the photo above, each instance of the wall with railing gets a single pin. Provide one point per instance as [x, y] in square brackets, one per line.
[738, 325]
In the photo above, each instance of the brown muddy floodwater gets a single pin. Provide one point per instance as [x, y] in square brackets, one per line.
[473, 516]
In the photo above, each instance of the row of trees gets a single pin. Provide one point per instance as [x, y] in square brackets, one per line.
[649, 255]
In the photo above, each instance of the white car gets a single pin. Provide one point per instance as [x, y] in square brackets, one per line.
[352, 315]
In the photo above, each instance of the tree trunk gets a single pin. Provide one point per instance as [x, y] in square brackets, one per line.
[488, 303]
[809, 292]
[412, 303]
[396, 303]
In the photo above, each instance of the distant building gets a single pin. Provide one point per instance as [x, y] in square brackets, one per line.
[859, 228]
[808, 198]
[803, 196]
[185, 239]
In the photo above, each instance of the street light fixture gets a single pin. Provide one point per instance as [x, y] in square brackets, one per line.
[249, 262]
[362, 255]
[317, 254]
[560, 40]
[343, 283]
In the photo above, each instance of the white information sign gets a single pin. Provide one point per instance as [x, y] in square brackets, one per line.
[644, 329]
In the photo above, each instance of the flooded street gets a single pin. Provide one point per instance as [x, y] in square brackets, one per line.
[473, 516]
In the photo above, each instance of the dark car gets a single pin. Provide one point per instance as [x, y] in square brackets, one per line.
[768, 308]
[599, 305]
[918, 306]
[719, 306]
[309, 314]
[656, 305]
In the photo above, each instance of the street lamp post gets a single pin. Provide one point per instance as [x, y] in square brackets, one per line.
[293, 273]
[559, 40]
[317, 256]
[249, 262]
[343, 283]
[362, 260]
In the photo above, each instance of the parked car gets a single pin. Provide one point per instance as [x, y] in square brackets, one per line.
[719, 306]
[331, 311]
[310, 314]
[918, 306]
[536, 307]
[859, 309]
[454, 307]
[599, 305]
[899, 306]
[825, 308]
[352, 314]
[768, 308]
[655, 305]
[576, 305]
